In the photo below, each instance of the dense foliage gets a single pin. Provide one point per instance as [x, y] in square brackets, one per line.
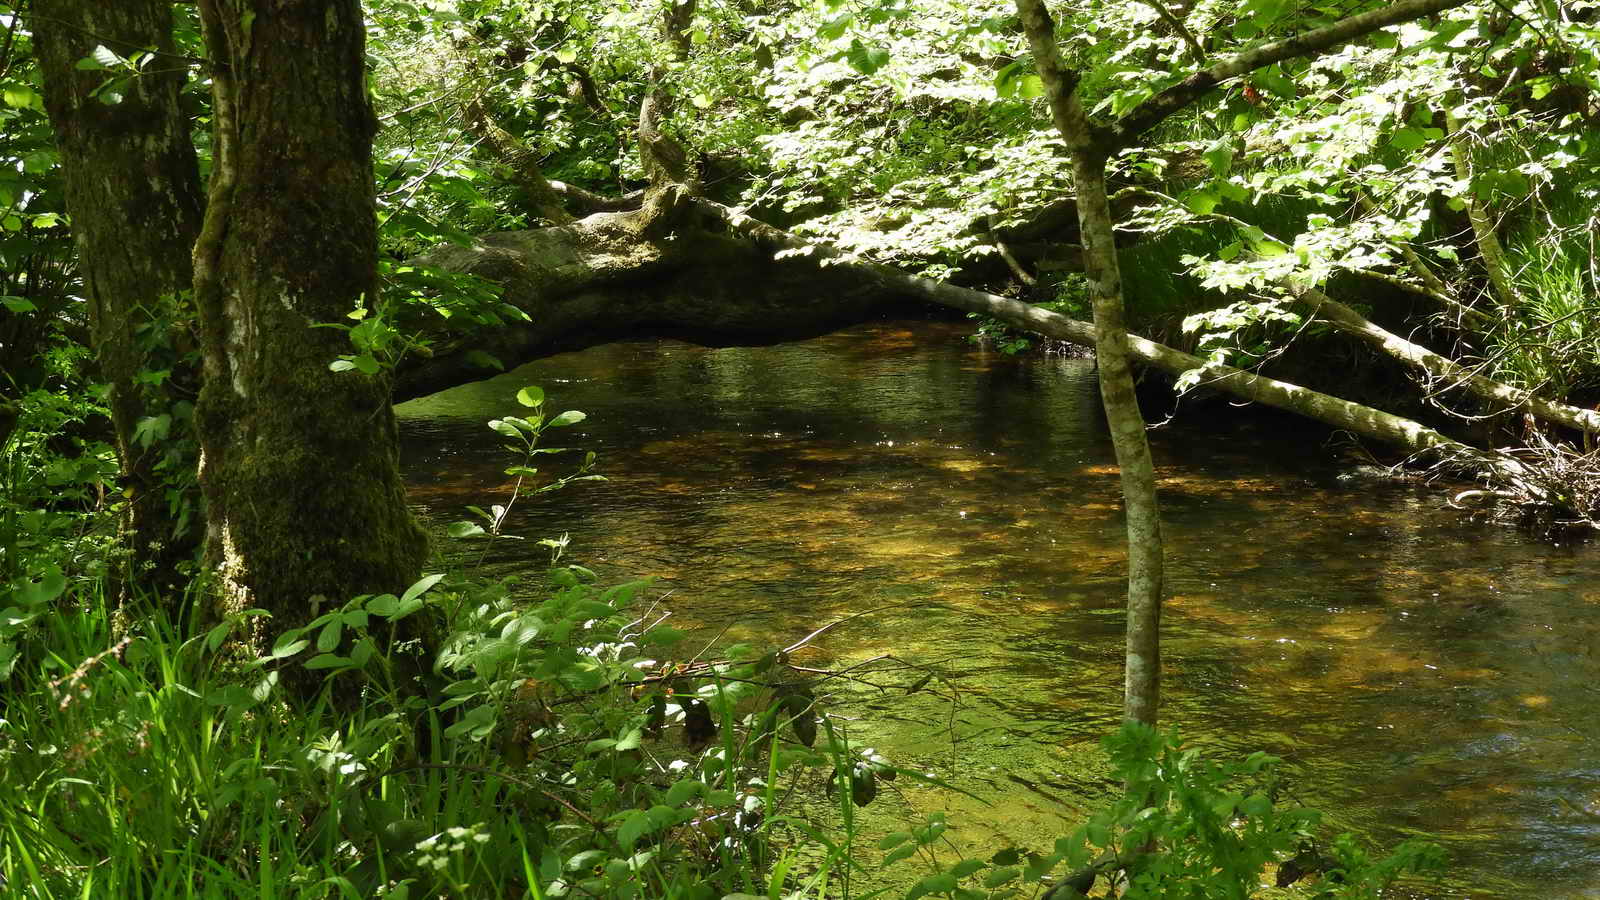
[539, 736]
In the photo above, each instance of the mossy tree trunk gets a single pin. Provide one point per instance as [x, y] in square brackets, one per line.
[300, 464]
[133, 194]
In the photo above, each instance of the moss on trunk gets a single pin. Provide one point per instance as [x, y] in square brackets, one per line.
[300, 467]
[133, 194]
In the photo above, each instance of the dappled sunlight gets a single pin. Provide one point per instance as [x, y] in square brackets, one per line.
[1417, 672]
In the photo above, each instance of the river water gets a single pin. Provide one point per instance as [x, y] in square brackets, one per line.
[1420, 674]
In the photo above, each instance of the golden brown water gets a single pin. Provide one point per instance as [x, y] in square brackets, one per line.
[1420, 674]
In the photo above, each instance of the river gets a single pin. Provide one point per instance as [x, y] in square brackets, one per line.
[1420, 674]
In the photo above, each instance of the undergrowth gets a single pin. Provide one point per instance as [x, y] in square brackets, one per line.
[561, 741]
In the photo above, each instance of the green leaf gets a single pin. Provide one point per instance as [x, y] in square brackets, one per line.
[330, 636]
[327, 661]
[1030, 87]
[835, 28]
[902, 852]
[341, 365]
[288, 645]
[632, 828]
[683, 791]
[570, 417]
[893, 839]
[37, 593]
[106, 57]
[22, 97]
[423, 585]
[505, 428]
[1201, 203]
[1220, 159]
[1407, 139]
[967, 867]
[464, 529]
[630, 741]
[1097, 834]
[216, 636]
[864, 59]
[531, 397]
[18, 304]
[938, 883]
[1001, 876]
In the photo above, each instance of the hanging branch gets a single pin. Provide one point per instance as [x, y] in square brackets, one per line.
[1155, 110]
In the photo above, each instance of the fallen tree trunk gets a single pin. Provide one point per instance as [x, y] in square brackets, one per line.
[1376, 424]
[718, 276]
[604, 278]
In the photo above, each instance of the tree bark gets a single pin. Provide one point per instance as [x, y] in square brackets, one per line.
[133, 194]
[300, 464]
[1142, 672]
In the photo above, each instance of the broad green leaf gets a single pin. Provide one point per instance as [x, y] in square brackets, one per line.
[1001, 876]
[683, 791]
[423, 585]
[531, 396]
[284, 649]
[464, 530]
[1407, 139]
[18, 304]
[1201, 203]
[37, 593]
[901, 852]
[330, 636]
[327, 661]
[22, 97]
[864, 59]
[570, 417]
[967, 867]
[938, 883]
[835, 28]
[632, 828]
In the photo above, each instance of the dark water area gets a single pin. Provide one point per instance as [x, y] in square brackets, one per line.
[1419, 673]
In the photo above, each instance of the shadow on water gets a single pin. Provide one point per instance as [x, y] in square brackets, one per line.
[1421, 674]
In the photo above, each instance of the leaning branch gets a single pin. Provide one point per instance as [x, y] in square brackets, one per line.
[1438, 367]
[1365, 421]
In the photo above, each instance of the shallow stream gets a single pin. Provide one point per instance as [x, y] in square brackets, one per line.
[1420, 674]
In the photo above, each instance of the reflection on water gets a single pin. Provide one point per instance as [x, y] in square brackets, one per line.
[1419, 673]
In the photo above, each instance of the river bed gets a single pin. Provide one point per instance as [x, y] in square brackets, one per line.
[1421, 674]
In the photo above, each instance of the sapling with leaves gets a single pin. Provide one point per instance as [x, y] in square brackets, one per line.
[522, 440]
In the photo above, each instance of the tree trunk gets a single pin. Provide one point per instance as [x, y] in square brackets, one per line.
[133, 194]
[1141, 693]
[300, 464]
